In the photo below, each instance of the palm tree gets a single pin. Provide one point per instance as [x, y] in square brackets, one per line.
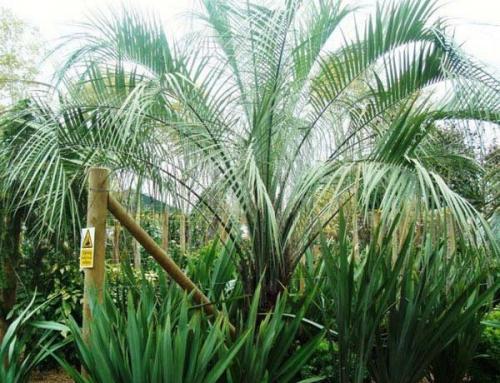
[291, 117]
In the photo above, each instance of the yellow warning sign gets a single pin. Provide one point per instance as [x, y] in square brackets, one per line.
[87, 248]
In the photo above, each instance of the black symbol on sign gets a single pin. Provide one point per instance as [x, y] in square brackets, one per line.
[87, 241]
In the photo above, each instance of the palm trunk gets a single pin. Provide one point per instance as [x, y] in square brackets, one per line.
[273, 284]
[271, 290]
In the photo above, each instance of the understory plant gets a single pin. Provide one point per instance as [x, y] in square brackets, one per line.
[396, 311]
[271, 354]
[19, 352]
[151, 343]
[162, 338]
[458, 357]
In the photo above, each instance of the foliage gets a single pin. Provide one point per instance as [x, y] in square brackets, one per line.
[453, 151]
[212, 268]
[486, 367]
[269, 354]
[427, 317]
[322, 363]
[152, 340]
[62, 292]
[283, 120]
[19, 353]
[455, 361]
[395, 312]
[50, 277]
[151, 344]
[259, 124]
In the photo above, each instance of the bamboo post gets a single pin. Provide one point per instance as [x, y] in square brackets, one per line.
[182, 233]
[395, 244]
[223, 233]
[355, 226]
[164, 231]
[161, 257]
[135, 246]
[450, 232]
[116, 242]
[355, 230]
[96, 217]
[302, 279]
[376, 227]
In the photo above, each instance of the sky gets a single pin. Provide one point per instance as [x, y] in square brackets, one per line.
[476, 22]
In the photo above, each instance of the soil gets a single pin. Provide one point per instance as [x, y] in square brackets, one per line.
[53, 376]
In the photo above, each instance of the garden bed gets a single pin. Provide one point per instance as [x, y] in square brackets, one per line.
[52, 376]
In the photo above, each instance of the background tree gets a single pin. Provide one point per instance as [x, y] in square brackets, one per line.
[492, 187]
[20, 51]
[455, 158]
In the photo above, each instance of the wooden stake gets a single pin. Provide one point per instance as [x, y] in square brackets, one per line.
[161, 257]
[96, 217]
